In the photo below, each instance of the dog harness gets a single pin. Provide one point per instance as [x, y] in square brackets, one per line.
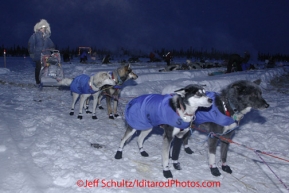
[212, 114]
[147, 111]
[80, 85]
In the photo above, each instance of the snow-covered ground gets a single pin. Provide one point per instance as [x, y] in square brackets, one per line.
[44, 149]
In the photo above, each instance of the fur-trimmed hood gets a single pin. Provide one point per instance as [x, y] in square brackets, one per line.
[43, 23]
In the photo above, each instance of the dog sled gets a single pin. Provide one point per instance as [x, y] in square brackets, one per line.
[51, 71]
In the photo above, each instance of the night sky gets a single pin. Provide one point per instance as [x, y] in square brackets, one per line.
[226, 25]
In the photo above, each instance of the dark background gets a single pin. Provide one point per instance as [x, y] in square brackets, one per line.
[225, 25]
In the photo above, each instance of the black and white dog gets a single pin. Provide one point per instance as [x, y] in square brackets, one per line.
[227, 110]
[173, 113]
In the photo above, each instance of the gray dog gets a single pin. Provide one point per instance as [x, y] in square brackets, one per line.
[227, 110]
[111, 93]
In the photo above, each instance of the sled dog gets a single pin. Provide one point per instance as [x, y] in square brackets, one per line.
[172, 112]
[232, 103]
[84, 86]
[120, 75]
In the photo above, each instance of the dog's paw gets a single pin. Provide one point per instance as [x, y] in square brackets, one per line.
[167, 174]
[227, 169]
[94, 117]
[110, 116]
[215, 171]
[71, 113]
[79, 117]
[100, 107]
[144, 154]
[188, 150]
[118, 155]
[177, 166]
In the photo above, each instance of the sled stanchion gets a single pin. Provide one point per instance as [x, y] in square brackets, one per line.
[51, 72]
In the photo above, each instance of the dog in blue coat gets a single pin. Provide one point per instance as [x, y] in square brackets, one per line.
[84, 86]
[172, 112]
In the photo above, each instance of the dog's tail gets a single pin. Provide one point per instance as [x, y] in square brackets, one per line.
[65, 82]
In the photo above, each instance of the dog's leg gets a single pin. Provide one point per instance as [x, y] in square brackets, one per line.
[186, 142]
[167, 139]
[178, 141]
[99, 100]
[176, 152]
[140, 140]
[128, 133]
[224, 151]
[108, 106]
[87, 105]
[115, 103]
[95, 100]
[212, 142]
[74, 99]
[83, 98]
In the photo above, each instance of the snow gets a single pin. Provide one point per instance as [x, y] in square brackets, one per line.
[44, 149]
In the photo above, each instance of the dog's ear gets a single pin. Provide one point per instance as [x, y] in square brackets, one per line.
[181, 92]
[127, 66]
[258, 81]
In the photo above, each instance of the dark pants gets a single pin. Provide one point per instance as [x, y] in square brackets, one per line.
[37, 71]
[168, 61]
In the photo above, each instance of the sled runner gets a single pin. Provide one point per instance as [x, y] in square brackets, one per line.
[51, 71]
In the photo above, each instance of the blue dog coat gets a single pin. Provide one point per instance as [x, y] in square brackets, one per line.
[212, 114]
[80, 85]
[147, 111]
